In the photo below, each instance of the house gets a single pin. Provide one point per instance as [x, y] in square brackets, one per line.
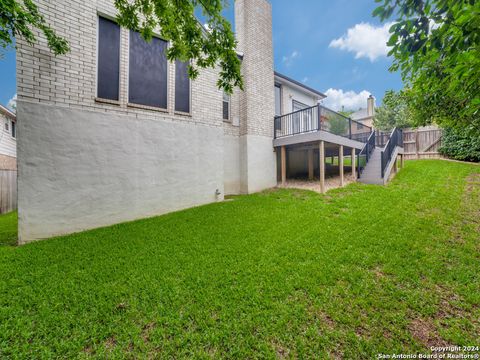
[365, 116]
[113, 132]
[8, 141]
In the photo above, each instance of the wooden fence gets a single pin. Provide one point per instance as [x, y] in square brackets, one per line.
[422, 143]
[8, 191]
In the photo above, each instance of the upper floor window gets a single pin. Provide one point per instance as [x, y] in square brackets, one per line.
[108, 62]
[226, 106]
[14, 130]
[278, 100]
[182, 87]
[6, 125]
[147, 80]
[297, 105]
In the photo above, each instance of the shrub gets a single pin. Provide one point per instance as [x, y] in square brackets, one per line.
[461, 143]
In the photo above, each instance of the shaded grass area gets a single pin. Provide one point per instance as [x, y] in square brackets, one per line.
[8, 228]
[356, 272]
[347, 160]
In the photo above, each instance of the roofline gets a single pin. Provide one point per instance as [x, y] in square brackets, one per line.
[7, 112]
[284, 77]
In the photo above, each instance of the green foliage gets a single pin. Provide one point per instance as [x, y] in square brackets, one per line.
[436, 45]
[175, 21]
[261, 276]
[17, 18]
[461, 143]
[394, 112]
[337, 124]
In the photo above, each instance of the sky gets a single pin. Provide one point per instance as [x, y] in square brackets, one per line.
[336, 47]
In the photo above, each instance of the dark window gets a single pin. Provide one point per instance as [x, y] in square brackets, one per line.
[147, 83]
[278, 100]
[108, 59]
[14, 130]
[182, 87]
[226, 106]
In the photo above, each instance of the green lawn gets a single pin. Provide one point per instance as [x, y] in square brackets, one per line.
[356, 272]
[8, 229]
[347, 160]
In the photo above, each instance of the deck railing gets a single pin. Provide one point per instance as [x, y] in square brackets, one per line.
[381, 138]
[396, 139]
[364, 155]
[317, 118]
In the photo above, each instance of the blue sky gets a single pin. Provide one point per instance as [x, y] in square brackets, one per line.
[303, 31]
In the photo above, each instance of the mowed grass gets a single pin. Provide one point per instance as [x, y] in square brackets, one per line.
[8, 229]
[280, 274]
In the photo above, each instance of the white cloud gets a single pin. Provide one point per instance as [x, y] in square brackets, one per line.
[350, 100]
[12, 103]
[365, 40]
[288, 60]
[305, 80]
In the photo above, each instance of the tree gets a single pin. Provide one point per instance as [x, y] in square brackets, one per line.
[176, 22]
[436, 46]
[394, 111]
[206, 47]
[18, 18]
[337, 124]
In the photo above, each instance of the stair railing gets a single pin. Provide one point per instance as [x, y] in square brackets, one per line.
[396, 139]
[366, 152]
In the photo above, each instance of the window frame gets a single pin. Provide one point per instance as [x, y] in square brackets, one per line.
[98, 98]
[141, 106]
[229, 120]
[280, 87]
[175, 95]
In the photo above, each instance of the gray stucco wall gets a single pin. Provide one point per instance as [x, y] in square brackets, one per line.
[231, 161]
[258, 165]
[82, 169]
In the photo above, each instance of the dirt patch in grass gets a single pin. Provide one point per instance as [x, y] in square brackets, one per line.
[314, 185]
[110, 343]
[425, 332]
[281, 351]
[146, 331]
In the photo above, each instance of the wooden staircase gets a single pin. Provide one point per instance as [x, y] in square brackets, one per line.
[381, 160]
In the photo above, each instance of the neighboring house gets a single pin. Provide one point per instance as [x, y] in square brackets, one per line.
[113, 132]
[365, 116]
[8, 141]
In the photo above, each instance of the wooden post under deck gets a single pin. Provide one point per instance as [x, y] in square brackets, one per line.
[402, 160]
[310, 164]
[354, 168]
[395, 165]
[340, 165]
[321, 147]
[283, 156]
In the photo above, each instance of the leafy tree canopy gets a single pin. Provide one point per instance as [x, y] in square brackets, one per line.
[394, 111]
[17, 18]
[175, 21]
[436, 46]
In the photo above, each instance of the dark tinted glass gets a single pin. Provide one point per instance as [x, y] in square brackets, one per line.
[225, 110]
[147, 83]
[182, 87]
[108, 59]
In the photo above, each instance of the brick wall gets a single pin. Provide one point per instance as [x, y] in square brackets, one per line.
[254, 34]
[70, 80]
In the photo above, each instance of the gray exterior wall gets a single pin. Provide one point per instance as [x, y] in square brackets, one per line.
[84, 163]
